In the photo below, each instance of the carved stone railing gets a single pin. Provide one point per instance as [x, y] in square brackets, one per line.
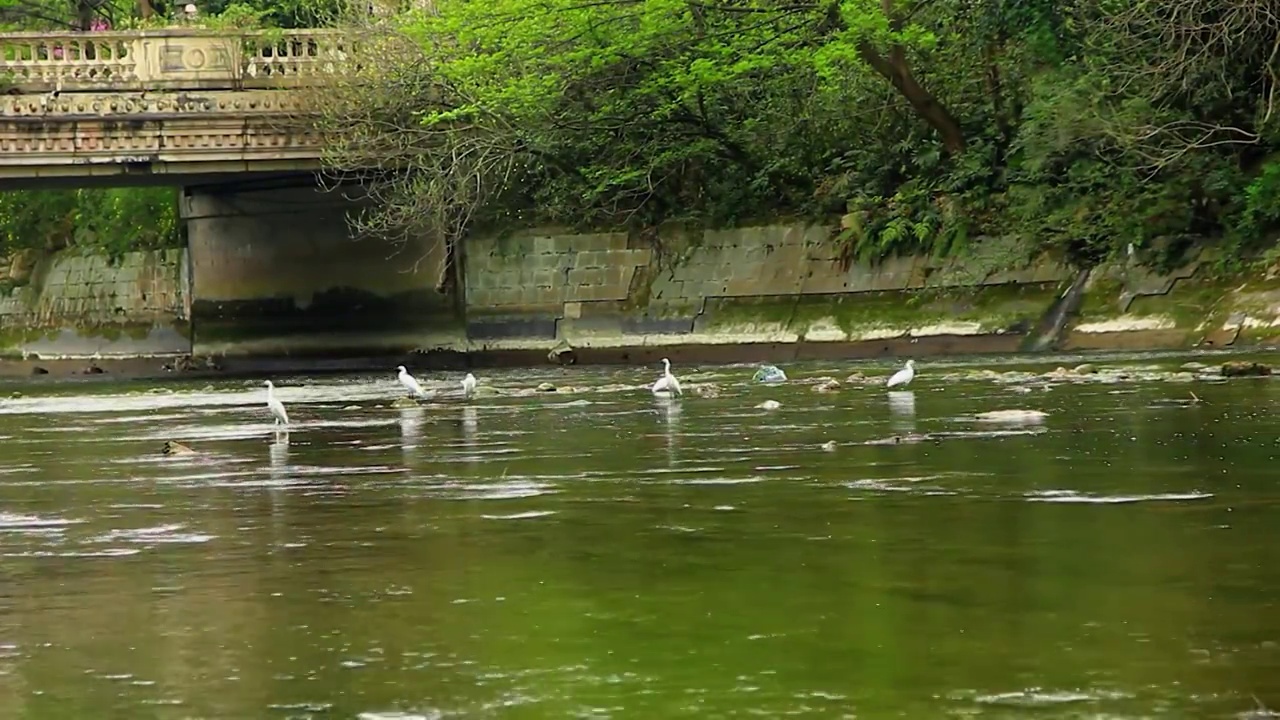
[169, 59]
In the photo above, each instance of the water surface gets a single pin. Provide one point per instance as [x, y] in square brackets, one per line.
[602, 554]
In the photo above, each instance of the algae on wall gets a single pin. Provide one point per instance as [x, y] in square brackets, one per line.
[73, 303]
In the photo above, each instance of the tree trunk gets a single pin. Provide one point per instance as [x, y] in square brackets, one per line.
[897, 71]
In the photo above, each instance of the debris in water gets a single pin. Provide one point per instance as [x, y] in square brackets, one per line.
[172, 447]
[769, 374]
[563, 354]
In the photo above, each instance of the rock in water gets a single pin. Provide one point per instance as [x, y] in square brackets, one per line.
[706, 390]
[1084, 369]
[1238, 368]
[404, 402]
[827, 385]
[172, 447]
[546, 387]
[769, 405]
[829, 446]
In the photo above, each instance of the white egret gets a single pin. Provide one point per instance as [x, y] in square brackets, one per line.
[468, 385]
[904, 376]
[410, 383]
[275, 406]
[667, 384]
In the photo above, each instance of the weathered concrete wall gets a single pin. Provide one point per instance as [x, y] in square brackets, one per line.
[785, 290]
[1131, 308]
[772, 285]
[71, 304]
[276, 272]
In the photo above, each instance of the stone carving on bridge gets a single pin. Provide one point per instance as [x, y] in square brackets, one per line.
[216, 102]
[171, 59]
[181, 102]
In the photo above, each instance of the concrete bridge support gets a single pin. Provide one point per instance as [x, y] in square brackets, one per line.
[275, 271]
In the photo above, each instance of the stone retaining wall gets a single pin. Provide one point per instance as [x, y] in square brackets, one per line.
[71, 304]
[786, 285]
[264, 282]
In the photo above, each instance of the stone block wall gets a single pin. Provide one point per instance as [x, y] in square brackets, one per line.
[75, 304]
[779, 283]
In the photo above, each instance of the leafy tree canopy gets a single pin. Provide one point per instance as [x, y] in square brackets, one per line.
[1083, 127]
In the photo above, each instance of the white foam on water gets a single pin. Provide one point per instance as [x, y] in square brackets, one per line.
[521, 516]
[12, 521]
[1071, 496]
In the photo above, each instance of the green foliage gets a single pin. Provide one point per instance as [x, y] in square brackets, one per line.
[1086, 128]
[109, 222]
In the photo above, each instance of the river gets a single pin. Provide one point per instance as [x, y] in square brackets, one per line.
[602, 554]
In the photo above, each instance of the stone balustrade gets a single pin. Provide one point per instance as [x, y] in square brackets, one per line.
[172, 59]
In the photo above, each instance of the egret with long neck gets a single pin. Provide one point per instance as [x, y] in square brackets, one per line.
[410, 383]
[667, 384]
[904, 376]
[469, 385]
[275, 406]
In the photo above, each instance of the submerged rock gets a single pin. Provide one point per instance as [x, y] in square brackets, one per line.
[37, 370]
[173, 447]
[706, 390]
[350, 408]
[404, 402]
[826, 385]
[1012, 416]
[1237, 368]
[93, 369]
[1084, 369]
[1193, 366]
[545, 387]
[855, 378]
[769, 405]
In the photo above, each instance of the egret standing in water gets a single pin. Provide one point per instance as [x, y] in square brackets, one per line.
[468, 385]
[275, 406]
[667, 384]
[904, 376]
[410, 383]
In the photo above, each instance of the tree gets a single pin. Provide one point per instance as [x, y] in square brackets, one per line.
[1069, 126]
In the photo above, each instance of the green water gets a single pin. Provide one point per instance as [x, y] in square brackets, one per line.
[606, 555]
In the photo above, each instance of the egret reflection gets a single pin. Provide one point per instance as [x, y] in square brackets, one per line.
[411, 421]
[902, 406]
[669, 414]
[279, 456]
[469, 426]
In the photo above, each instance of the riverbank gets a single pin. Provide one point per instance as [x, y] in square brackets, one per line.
[777, 293]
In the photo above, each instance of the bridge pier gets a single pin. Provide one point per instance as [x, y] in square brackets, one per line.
[275, 272]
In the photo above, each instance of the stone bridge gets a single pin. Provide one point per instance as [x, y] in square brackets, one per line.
[182, 106]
